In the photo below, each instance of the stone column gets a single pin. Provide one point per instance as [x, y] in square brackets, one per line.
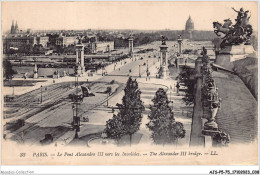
[82, 61]
[179, 40]
[131, 46]
[164, 61]
[77, 57]
[80, 58]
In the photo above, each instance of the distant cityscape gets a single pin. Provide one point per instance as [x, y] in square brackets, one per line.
[95, 41]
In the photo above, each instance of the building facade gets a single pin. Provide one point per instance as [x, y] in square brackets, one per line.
[17, 41]
[42, 40]
[23, 43]
[20, 43]
[66, 40]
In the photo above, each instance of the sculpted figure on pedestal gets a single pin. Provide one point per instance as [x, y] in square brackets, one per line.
[235, 34]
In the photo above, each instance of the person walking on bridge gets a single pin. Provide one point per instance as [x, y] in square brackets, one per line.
[178, 86]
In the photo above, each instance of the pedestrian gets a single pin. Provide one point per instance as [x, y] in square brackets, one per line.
[178, 86]
[176, 62]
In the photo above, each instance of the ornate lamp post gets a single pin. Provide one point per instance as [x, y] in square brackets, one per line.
[147, 71]
[102, 68]
[41, 93]
[73, 109]
[107, 98]
[179, 40]
[147, 66]
[76, 119]
[139, 71]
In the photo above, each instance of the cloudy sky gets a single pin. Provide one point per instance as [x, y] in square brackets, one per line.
[120, 15]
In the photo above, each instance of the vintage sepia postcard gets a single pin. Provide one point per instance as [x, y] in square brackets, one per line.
[129, 83]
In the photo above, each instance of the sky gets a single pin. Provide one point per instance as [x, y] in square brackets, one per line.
[121, 15]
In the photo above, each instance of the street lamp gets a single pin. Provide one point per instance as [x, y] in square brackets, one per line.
[75, 80]
[73, 109]
[139, 71]
[76, 119]
[147, 71]
[41, 93]
[107, 99]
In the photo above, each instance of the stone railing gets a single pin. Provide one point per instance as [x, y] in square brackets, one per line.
[211, 103]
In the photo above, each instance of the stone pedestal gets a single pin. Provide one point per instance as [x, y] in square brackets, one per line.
[229, 54]
[165, 72]
[35, 75]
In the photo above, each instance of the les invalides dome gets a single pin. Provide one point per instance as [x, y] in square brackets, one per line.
[189, 25]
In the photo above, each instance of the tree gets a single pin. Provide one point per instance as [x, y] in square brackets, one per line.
[128, 119]
[60, 49]
[145, 40]
[185, 78]
[165, 130]
[8, 70]
[70, 49]
[38, 49]
[114, 129]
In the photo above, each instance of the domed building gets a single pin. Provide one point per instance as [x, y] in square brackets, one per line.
[189, 24]
[189, 27]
